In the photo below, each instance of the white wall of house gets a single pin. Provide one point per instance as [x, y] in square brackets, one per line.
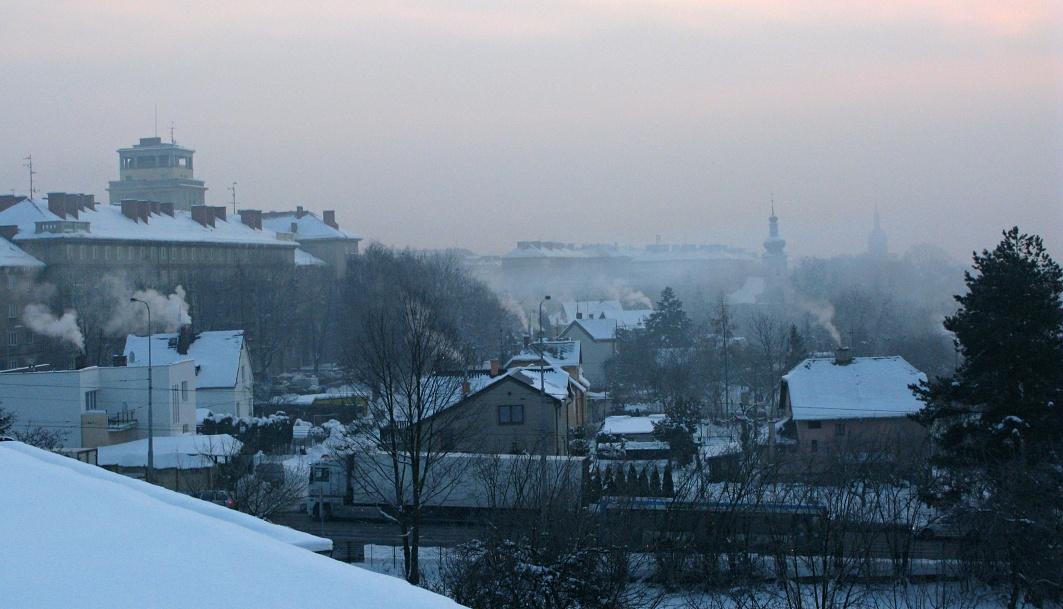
[55, 400]
[237, 400]
[594, 352]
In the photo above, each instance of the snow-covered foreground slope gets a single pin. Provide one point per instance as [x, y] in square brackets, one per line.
[74, 535]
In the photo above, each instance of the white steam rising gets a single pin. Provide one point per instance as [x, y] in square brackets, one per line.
[39, 319]
[168, 312]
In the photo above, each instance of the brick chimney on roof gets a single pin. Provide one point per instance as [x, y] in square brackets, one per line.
[9, 231]
[62, 204]
[129, 209]
[252, 218]
[329, 217]
[843, 356]
[219, 212]
[299, 211]
[155, 208]
[166, 208]
[203, 214]
[185, 338]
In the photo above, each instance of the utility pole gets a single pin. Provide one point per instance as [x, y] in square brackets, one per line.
[232, 189]
[542, 381]
[29, 165]
[150, 473]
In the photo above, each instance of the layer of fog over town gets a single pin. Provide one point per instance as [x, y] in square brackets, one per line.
[566, 305]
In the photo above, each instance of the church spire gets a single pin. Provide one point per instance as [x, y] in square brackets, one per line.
[877, 243]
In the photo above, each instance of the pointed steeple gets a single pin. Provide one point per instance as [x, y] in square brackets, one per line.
[877, 243]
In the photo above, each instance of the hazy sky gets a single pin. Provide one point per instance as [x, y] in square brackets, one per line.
[478, 123]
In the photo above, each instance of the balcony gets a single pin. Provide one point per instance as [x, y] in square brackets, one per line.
[121, 421]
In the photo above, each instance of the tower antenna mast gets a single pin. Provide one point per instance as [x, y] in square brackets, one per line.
[29, 165]
[172, 139]
[156, 120]
[232, 189]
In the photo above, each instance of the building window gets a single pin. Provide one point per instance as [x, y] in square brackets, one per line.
[174, 409]
[12, 311]
[839, 429]
[106, 252]
[95, 252]
[12, 337]
[90, 400]
[511, 415]
[814, 446]
[814, 424]
[184, 391]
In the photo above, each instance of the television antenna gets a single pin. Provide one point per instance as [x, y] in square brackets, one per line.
[232, 189]
[29, 165]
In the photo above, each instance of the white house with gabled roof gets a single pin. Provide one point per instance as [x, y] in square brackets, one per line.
[224, 380]
[843, 402]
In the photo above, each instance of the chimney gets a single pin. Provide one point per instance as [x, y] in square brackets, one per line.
[219, 212]
[252, 218]
[7, 201]
[527, 341]
[119, 361]
[203, 214]
[579, 315]
[9, 231]
[129, 209]
[842, 356]
[154, 208]
[143, 208]
[299, 211]
[185, 338]
[80, 361]
[465, 387]
[496, 368]
[294, 227]
[329, 217]
[166, 208]
[57, 203]
[89, 201]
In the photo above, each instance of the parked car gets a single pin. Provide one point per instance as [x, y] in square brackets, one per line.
[216, 497]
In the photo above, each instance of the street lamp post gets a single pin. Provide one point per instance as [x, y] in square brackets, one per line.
[150, 473]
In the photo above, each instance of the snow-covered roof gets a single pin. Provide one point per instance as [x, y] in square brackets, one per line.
[107, 222]
[562, 352]
[867, 387]
[621, 425]
[180, 452]
[308, 226]
[597, 329]
[216, 353]
[89, 538]
[305, 258]
[658, 252]
[13, 256]
[555, 380]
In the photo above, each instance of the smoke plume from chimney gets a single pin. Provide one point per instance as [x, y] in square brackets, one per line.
[39, 319]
